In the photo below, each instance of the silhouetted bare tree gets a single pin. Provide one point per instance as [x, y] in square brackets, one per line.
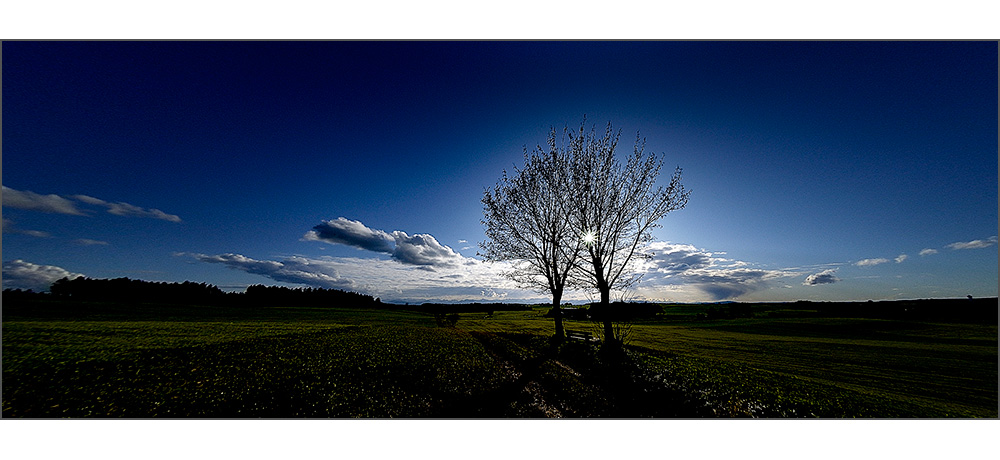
[527, 220]
[614, 207]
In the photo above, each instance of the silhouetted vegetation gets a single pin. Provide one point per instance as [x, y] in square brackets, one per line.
[318, 297]
[487, 308]
[125, 290]
[129, 290]
[983, 310]
[528, 221]
[624, 311]
[576, 217]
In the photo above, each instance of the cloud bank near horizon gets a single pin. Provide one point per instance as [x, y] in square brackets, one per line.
[420, 268]
[18, 274]
[388, 279]
[684, 272]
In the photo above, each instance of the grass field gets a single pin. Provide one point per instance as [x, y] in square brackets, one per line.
[116, 361]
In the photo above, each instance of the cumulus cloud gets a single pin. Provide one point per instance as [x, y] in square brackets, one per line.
[18, 274]
[928, 251]
[423, 249]
[823, 277]
[871, 262]
[974, 244]
[419, 249]
[37, 202]
[671, 259]
[351, 233]
[900, 258]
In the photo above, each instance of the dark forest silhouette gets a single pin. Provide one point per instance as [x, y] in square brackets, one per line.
[127, 290]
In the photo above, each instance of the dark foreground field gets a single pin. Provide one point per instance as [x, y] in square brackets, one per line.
[107, 360]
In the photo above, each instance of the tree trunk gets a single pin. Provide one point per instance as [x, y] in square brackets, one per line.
[557, 312]
[609, 330]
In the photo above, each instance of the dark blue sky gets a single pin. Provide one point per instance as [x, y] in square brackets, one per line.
[818, 170]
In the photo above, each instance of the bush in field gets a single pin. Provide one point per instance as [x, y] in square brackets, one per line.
[446, 319]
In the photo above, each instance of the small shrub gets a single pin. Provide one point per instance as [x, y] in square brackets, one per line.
[446, 319]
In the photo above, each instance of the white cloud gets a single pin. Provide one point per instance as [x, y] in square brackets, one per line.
[871, 262]
[62, 205]
[125, 209]
[421, 269]
[388, 279]
[89, 242]
[8, 227]
[419, 249]
[19, 274]
[683, 272]
[900, 258]
[823, 277]
[928, 251]
[36, 202]
[295, 270]
[423, 249]
[351, 233]
[974, 244]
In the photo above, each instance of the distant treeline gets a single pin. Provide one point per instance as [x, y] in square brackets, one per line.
[125, 290]
[280, 295]
[616, 311]
[467, 307]
[979, 310]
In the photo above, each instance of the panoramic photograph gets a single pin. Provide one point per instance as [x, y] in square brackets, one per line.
[500, 229]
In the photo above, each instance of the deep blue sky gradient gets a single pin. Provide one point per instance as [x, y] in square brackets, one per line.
[801, 156]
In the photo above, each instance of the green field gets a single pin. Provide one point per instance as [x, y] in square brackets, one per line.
[107, 360]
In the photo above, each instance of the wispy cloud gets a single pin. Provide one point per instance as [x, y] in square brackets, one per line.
[420, 249]
[900, 258]
[125, 209]
[295, 270]
[89, 242]
[928, 251]
[974, 244]
[871, 262]
[823, 277]
[36, 202]
[8, 227]
[18, 274]
[71, 205]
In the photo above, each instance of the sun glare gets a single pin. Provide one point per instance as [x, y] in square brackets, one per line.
[589, 238]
